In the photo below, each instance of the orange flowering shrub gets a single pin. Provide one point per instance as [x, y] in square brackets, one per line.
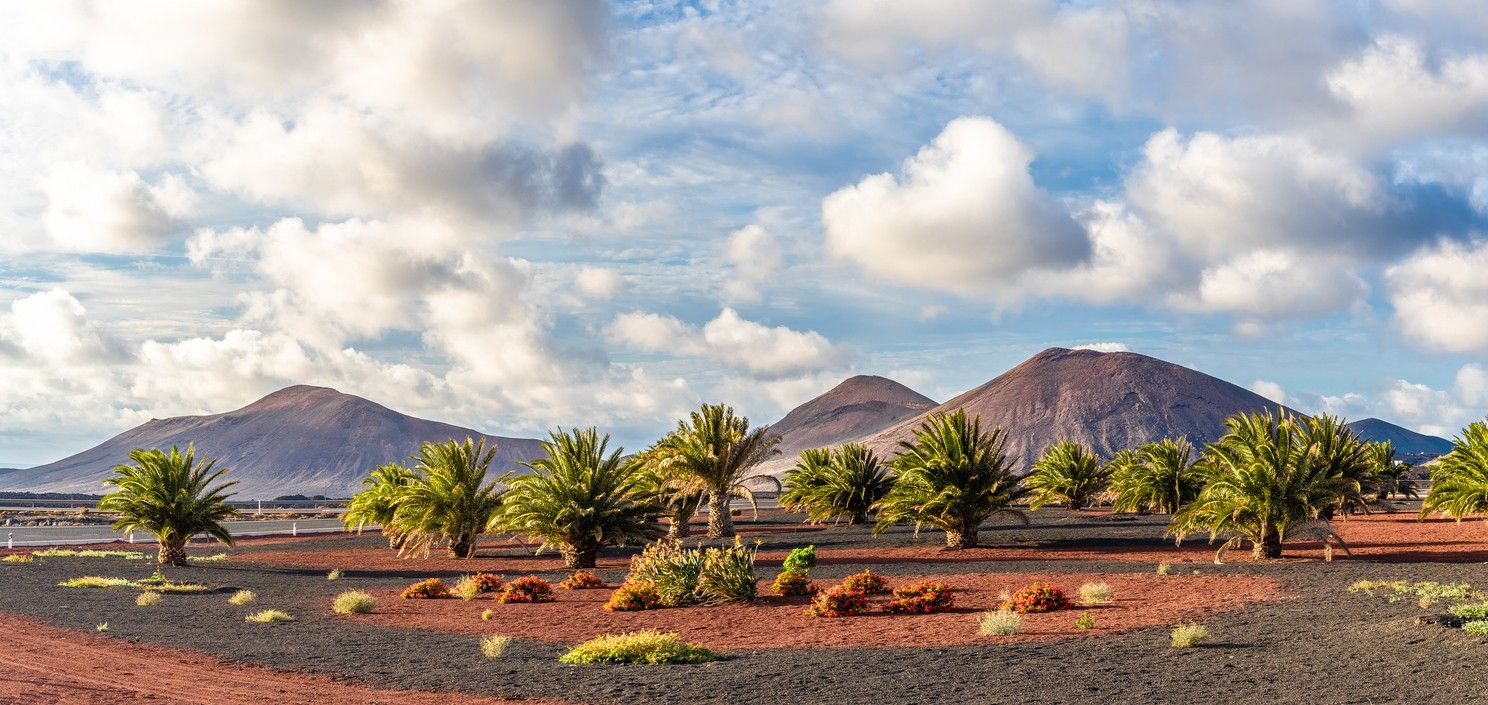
[528, 588]
[485, 582]
[1038, 597]
[923, 597]
[838, 602]
[633, 597]
[582, 580]
[866, 582]
[431, 589]
[793, 583]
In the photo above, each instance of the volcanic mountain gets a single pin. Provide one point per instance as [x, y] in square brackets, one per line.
[1410, 446]
[858, 407]
[298, 440]
[1105, 401]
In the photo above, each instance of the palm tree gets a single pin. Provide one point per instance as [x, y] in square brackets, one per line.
[952, 476]
[1388, 474]
[579, 499]
[835, 485]
[170, 495]
[1343, 456]
[377, 504]
[1269, 477]
[1459, 482]
[1156, 477]
[713, 451]
[1068, 474]
[679, 498]
[448, 500]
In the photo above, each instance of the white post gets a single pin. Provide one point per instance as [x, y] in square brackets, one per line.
[260, 507]
[294, 529]
[10, 540]
[131, 537]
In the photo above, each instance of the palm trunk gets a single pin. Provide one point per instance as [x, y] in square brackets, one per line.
[966, 537]
[462, 546]
[1268, 548]
[575, 557]
[720, 524]
[677, 526]
[172, 554]
[857, 518]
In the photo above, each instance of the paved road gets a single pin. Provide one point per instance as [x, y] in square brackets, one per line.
[60, 535]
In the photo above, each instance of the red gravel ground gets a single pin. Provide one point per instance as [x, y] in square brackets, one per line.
[1140, 600]
[43, 664]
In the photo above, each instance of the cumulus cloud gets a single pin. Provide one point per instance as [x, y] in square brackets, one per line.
[964, 215]
[754, 255]
[1270, 390]
[94, 209]
[598, 282]
[753, 348]
[1107, 346]
[1440, 296]
[1272, 284]
[1393, 90]
[52, 327]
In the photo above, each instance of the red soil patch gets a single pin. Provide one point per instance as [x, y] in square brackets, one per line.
[1140, 600]
[44, 664]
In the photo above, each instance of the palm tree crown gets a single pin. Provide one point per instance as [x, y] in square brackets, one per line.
[1388, 474]
[377, 503]
[1156, 477]
[448, 501]
[715, 450]
[170, 495]
[837, 484]
[952, 476]
[1068, 474]
[1459, 482]
[580, 499]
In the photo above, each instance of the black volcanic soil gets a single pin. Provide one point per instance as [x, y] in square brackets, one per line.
[1318, 644]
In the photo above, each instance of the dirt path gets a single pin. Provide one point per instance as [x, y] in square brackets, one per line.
[44, 664]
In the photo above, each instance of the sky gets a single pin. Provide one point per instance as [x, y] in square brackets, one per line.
[521, 215]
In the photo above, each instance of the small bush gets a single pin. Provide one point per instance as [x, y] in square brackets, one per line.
[1095, 593]
[924, 597]
[999, 623]
[94, 581]
[1164, 568]
[335, 574]
[269, 617]
[486, 615]
[582, 580]
[494, 646]
[1437, 591]
[866, 582]
[1037, 597]
[633, 597]
[673, 571]
[1470, 613]
[1187, 636]
[1477, 628]
[88, 553]
[838, 602]
[1085, 621]
[18, 558]
[528, 588]
[159, 583]
[792, 583]
[242, 597]
[1425, 602]
[471, 586]
[102, 627]
[214, 558]
[647, 647]
[353, 602]
[800, 560]
[147, 599]
[728, 574]
[431, 589]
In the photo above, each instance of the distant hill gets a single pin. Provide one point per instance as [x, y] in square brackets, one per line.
[298, 440]
[858, 407]
[1107, 401]
[1410, 446]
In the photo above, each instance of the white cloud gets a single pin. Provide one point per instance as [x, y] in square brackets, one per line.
[749, 347]
[93, 209]
[1394, 93]
[1272, 284]
[1440, 296]
[964, 216]
[1107, 346]
[754, 255]
[1270, 390]
[598, 282]
[52, 327]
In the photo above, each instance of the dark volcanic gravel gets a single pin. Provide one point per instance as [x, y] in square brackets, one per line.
[1321, 645]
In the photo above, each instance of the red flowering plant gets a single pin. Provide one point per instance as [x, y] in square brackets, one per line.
[793, 583]
[431, 589]
[866, 582]
[633, 597]
[1038, 597]
[528, 588]
[485, 582]
[582, 580]
[838, 602]
[923, 597]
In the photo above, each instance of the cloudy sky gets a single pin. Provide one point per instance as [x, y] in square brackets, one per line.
[521, 214]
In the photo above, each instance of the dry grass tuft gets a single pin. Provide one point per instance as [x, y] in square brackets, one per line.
[999, 623]
[269, 617]
[242, 597]
[1095, 593]
[1187, 636]
[149, 598]
[335, 574]
[494, 646]
[353, 602]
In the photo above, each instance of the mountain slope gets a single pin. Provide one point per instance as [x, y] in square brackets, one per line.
[298, 440]
[1409, 445]
[857, 407]
[1107, 401]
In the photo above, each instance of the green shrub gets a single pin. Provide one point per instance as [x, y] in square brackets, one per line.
[1477, 628]
[1187, 636]
[242, 597]
[94, 581]
[17, 558]
[269, 617]
[494, 646]
[1438, 591]
[866, 582]
[147, 599]
[335, 574]
[647, 647]
[1085, 621]
[1470, 613]
[353, 602]
[87, 553]
[999, 623]
[800, 560]
[431, 589]
[728, 574]
[633, 596]
[792, 583]
[1095, 593]
[671, 570]
[528, 588]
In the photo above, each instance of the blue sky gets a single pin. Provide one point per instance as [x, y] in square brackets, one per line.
[519, 215]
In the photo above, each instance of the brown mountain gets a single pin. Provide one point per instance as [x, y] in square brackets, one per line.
[858, 407]
[298, 440]
[1106, 401]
